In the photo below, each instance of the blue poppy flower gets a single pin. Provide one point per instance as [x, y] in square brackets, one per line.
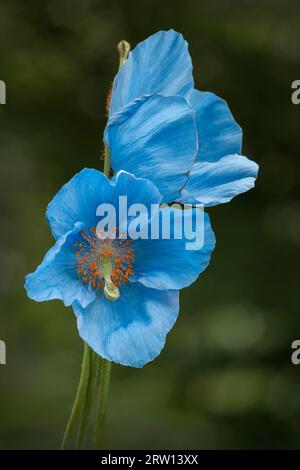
[124, 291]
[150, 131]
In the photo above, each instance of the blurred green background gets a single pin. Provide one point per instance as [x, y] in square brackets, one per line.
[225, 379]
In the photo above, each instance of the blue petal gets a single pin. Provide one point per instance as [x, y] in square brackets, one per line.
[175, 263]
[155, 137]
[137, 190]
[218, 133]
[79, 198]
[218, 182]
[160, 64]
[131, 330]
[56, 278]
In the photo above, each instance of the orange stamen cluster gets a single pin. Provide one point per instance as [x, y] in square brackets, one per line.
[92, 251]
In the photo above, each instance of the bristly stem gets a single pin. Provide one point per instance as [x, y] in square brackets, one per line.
[88, 408]
[106, 168]
[102, 395]
[70, 440]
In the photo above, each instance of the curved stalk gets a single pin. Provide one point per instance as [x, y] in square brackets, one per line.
[70, 440]
[104, 380]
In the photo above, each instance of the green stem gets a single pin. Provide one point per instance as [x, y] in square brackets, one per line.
[106, 169]
[123, 49]
[72, 430]
[87, 412]
[103, 388]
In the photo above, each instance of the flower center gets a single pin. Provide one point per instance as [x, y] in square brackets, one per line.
[104, 263]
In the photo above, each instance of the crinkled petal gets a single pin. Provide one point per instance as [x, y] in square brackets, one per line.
[218, 182]
[131, 330]
[81, 196]
[56, 276]
[176, 262]
[155, 137]
[160, 64]
[218, 133]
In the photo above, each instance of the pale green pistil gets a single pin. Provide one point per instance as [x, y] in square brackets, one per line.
[111, 291]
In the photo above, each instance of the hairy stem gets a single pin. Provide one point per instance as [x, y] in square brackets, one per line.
[103, 388]
[70, 440]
